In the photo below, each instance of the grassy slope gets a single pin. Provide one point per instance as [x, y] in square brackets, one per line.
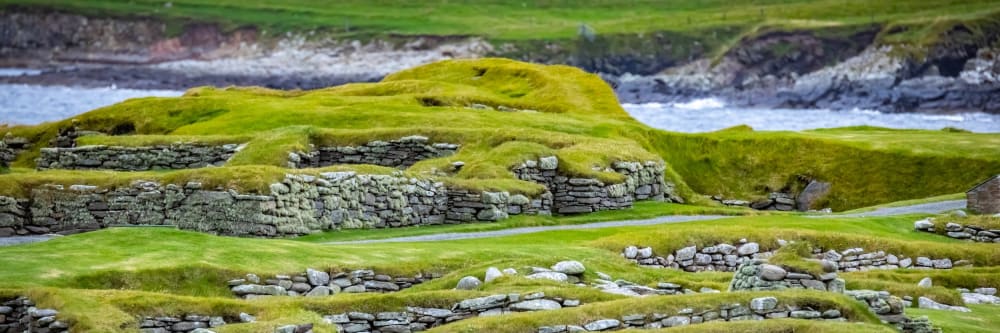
[506, 19]
[133, 271]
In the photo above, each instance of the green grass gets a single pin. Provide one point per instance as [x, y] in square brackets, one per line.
[512, 20]
[641, 210]
[982, 319]
[136, 271]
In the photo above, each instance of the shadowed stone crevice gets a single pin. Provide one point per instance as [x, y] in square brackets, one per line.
[401, 153]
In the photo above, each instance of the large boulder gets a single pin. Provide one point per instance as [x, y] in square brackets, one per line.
[468, 283]
[570, 267]
[812, 195]
[772, 273]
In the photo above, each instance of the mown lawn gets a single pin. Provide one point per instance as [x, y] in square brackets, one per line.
[129, 271]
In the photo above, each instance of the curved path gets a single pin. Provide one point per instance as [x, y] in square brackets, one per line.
[926, 208]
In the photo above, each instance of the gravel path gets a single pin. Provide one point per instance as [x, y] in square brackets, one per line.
[8, 241]
[926, 208]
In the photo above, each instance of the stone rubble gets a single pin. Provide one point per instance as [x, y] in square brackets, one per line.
[316, 283]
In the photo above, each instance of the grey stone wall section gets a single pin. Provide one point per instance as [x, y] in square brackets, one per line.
[757, 309]
[985, 197]
[185, 323]
[401, 153]
[726, 258]
[174, 156]
[959, 231]
[416, 319]
[316, 283]
[643, 181]
[21, 315]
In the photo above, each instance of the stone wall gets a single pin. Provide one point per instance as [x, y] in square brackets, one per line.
[185, 323]
[584, 195]
[415, 319]
[757, 309]
[958, 231]
[21, 315]
[401, 153]
[759, 275]
[726, 258]
[301, 204]
[174, 156]
[316, 283]
[985, 198]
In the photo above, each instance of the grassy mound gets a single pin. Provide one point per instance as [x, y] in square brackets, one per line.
[549, 110]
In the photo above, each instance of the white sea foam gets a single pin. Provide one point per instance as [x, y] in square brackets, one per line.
[710, 115]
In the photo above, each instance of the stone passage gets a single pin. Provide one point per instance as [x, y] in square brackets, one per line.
[415, 319]
[958, 231]
[316, 283]
[757, 309]
[985, 197]
[21, 315]
[725, 258]
[174, 156]
[584, 195]
[401, 153]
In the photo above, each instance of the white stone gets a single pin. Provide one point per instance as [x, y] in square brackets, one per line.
[554, 276]
[927, 303]
[570, 267]
[468, 283]
[748, 249]
[925, 283]
[492, 273]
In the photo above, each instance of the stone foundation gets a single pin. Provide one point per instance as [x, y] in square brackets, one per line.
[757, 309]
[185, 323]
[415, 319]
[21, 315]
[315, 283]
[401, 153]
[958, 231]
[161, 157]
[584, 195]
[726, 258]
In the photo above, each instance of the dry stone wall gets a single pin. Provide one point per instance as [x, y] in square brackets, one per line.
[174, 156]
[301, 204]
[584, 195]
[185, 323]
[757, 309]
[401, 153]
[21, 315]
[759, 275]
[958, 231]
[415, 319]
[726, 258]
[317, 283]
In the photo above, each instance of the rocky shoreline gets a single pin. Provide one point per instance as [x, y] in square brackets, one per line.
[835, 70]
